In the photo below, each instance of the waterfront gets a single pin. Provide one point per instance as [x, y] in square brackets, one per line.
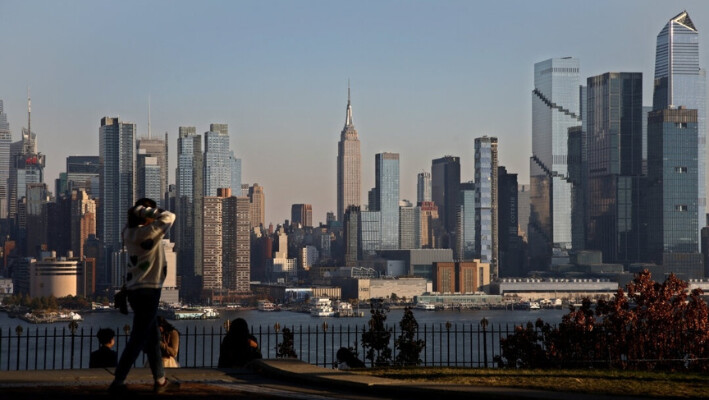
[453, 338]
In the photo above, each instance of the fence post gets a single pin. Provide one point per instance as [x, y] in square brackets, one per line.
[448, 343]
[72, 327]
[18, 330]
[324, 340]
[483, 323]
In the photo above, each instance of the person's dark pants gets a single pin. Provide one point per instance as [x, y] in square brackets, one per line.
[144, 335]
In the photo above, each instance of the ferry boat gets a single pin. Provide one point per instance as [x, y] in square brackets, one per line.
[321, 307]
[265, 305]
[50, 317]
[426, 306]
[189, 313]
[344, 309]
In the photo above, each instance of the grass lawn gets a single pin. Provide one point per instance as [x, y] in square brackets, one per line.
[649, 384]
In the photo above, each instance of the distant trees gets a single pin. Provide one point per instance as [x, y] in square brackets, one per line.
[654, 326]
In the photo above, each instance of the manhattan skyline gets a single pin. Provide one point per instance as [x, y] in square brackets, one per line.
[427, 78]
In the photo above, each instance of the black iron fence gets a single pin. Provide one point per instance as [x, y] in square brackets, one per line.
[456, 345]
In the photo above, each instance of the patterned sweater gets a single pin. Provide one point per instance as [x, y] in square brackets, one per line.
[147, 266]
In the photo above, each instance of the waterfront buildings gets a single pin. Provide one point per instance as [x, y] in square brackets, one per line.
[349, 168]
[679, 81]
[615, 165]
[555, 108]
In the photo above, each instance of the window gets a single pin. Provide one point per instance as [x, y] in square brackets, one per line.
[681, 207]
[681, 170]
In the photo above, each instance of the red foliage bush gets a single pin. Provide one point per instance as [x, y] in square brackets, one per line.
[654, 326]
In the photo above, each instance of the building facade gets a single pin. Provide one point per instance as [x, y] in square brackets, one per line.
[486, 226]
[423, 187]
[555, 108]
[445, 185]
[387, 202]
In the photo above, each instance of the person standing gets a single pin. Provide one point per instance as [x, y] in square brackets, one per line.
[146, 270]
[104, 357]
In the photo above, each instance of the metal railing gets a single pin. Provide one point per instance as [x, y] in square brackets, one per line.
[456, 345]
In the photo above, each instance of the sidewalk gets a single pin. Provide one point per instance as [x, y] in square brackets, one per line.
[280, 378]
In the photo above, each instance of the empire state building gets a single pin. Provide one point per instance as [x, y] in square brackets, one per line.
[349, 169]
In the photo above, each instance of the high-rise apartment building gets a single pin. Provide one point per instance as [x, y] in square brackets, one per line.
[615, 165]
[409, 226]
[672, 187]
[302, 214]
[217, 159]
[423, 187]
[679, 81]
[510, 260]
[555, 108]
[189, 200]
[117, 177]
[486, 227]
[445, 185]
[257, 197]
[349, 165]
[5, 140]
[157, 148]
[387, 192]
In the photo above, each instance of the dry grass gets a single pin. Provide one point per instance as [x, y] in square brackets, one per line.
[647, 384]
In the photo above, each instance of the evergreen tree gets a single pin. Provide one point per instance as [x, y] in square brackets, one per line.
[409, 348]
[375, 340]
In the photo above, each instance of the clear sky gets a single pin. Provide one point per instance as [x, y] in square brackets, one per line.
[427, 77]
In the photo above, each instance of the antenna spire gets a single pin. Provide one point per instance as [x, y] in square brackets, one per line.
[348, 119]
[29, 113]
[148, 116]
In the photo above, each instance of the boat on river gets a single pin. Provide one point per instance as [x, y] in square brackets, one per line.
[265, 305]
[189, 313]
[51, 317]
[426, 306]
[321, 307]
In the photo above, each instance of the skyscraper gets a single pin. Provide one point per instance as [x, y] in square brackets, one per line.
[465, 249]
[555, 108]
[257, 197]
[387, 191]
[117, 177]
[672, 187]
[486, 240]
[423, 187]
[679, 81]
[510, 260]
[5, 140]
[615, 165]
[217, 159]
[409, 226]
[445, 185]
[156, 148]
[302, 214]
[189, 201]
[82, 172]
[148, 177]
[349, 168]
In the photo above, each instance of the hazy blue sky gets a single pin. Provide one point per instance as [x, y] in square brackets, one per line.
[427, 77]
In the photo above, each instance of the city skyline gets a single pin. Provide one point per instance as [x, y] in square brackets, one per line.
[426, 79]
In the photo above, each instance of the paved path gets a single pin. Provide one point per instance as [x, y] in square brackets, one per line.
[265, 379]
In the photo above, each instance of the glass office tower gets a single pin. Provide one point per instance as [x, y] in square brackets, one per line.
[680, 82]
[387, 190]
[555, 108]
[486, 242]
[615, 165]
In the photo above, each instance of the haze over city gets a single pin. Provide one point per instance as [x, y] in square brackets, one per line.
[426, 77]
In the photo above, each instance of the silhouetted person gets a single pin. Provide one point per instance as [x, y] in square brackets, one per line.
[146, 270]
[346, 359]
[239, 346]
[104, 357]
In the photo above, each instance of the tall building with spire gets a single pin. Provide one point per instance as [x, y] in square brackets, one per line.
[680, 82]
[155, 149]
[349, 165]
[26, 166]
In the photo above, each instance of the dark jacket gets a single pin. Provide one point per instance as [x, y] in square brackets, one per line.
[103, 358]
